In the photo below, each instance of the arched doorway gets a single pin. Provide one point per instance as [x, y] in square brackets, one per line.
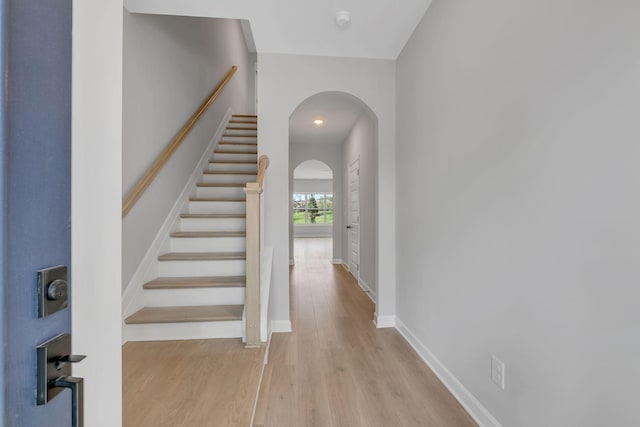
[340, 131]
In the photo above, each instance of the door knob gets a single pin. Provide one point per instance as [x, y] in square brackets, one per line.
[348, 226]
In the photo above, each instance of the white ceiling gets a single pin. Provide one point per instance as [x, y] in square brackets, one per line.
[312, 169]
[339, 112]
[378, 29]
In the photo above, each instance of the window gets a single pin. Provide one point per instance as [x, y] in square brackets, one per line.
[313, 208]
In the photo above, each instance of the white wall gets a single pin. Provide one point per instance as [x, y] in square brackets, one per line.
[313, 186]
[361, 145]
[96, 206]
[518, 208]
[284, 81]
[331, 155]
[171, 65]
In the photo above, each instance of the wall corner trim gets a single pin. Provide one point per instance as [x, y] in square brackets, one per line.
[280, 326]
[473, 406]
[384, 321]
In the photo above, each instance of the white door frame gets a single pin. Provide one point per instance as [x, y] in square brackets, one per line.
[353, 222]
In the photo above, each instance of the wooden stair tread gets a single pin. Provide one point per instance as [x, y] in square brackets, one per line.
[235, 152]
[212, 216]
[196, 282]
[203, 256]
[239, 135]
[198, 313]
[236, 162]
[221, 184]
[236, 143]
[230, 173]
[217, 199]
[244, 115]
[241, 128]
[209, 234]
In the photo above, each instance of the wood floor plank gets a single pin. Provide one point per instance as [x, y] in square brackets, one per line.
[337, 369]
[202, 383]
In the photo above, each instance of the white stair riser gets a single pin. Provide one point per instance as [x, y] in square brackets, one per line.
[208, 244]
[228, 138]
[183, 331]
[245, 131]
[233, 167]
[217, 207]
[213, 224]
[215, 192]
[236, 147]
[201, 268]
[220, 155]
[193, 296]
[228, 178]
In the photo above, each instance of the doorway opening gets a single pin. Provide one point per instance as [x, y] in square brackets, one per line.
[313, 210]
[340, 131]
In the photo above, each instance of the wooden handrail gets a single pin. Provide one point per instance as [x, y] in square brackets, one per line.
[252, 288]
[139, 189]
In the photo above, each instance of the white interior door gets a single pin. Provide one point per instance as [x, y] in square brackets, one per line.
[353, 220]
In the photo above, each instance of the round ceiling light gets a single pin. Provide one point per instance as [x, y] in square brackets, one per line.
[318, 122]
[343, 19]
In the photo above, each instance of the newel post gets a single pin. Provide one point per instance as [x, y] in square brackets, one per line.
[252, 292]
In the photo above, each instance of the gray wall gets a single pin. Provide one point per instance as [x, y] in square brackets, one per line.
[361, 144]
[171, 64]
[517, 203]
[331, 154]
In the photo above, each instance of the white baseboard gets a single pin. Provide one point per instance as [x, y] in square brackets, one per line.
[337, 261]
[384, 321]
[266, 267]
[280, 326]
[367, 290]
[479, 413]
[147, 267]
[292, 262]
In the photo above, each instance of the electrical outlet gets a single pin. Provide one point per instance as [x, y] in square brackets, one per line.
[497, 371]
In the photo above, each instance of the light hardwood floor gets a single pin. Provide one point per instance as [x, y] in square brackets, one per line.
[336, 368]
[198, 383]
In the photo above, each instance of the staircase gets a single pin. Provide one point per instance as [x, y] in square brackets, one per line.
[199, 291]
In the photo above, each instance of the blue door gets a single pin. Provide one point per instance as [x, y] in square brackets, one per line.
[35, 171]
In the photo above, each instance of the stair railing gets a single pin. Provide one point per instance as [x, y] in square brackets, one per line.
[253, 190]
[146, 180]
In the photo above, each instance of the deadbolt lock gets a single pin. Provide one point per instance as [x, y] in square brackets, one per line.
[53, 290]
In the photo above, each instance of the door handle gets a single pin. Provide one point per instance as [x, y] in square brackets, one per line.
[54, 360]
[76, 385]
[348, 226]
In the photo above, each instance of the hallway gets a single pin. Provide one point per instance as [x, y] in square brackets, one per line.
[336, 368]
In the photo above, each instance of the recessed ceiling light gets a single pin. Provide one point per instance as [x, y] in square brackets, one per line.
[318, 122]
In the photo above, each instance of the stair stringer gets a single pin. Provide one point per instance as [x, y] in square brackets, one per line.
[133, 297]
